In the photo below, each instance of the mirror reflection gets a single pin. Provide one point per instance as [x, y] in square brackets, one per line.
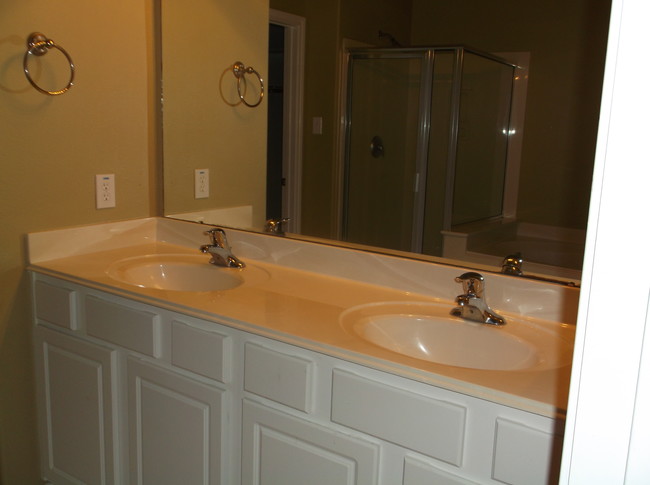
[471, 153]
[425, 144]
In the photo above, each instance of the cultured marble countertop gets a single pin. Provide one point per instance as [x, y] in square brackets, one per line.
[290, 304]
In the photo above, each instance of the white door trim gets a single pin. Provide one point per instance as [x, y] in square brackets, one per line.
[605, 440]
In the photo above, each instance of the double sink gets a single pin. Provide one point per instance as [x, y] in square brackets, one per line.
[420, 330]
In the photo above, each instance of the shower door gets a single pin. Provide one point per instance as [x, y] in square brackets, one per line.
[387, 128]
[482, 142]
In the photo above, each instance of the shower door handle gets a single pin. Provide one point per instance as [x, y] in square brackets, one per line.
[376, 147]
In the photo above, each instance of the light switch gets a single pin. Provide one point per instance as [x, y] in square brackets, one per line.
[317, 125]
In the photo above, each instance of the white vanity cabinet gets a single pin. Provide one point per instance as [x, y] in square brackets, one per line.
[123, 395]
[135, 393]
[286, 434]
[312, 418]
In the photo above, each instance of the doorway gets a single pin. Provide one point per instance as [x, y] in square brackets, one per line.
[285, 119]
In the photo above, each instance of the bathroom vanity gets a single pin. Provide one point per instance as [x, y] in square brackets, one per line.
[267, 380]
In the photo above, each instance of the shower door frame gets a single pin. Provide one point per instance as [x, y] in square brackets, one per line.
[513, 151]
[424, 116]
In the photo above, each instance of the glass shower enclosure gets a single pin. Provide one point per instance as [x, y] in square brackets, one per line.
[426, 144]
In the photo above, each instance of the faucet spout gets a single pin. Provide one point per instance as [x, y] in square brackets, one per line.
[471, 304]
[220, 250]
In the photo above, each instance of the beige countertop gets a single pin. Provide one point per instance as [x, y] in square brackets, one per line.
[303, 307]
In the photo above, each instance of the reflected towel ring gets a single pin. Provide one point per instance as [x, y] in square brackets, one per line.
[239, 70]
[38, 45]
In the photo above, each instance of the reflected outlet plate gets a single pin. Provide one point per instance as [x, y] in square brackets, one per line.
[105, 190]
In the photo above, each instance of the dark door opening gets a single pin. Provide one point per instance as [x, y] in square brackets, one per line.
[275, 126]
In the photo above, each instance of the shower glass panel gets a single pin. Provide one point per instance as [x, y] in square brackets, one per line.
[483, 128]
[439, 148]
[384, 120]
[426, 144]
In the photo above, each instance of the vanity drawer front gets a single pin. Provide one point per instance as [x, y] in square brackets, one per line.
[55, 305]
[523, 454]
[283, 378]
[202, 352]
[429, 426]
[124, 326]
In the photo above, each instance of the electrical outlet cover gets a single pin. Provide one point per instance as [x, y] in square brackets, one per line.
[105, 190]
[201, 183]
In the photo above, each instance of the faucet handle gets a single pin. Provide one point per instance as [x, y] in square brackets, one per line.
[218, 237]
[473, 283]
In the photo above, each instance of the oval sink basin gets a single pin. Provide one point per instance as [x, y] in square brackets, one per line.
[181, 272]
[427, 332]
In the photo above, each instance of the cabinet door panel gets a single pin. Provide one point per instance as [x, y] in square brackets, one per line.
[279, 449]
[75, 409]
[175, 428]
[526, 455]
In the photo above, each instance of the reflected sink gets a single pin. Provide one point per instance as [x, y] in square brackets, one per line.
[427, 332]
[181, 272]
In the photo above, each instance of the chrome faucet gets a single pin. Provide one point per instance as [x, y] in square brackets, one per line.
[512, 264]
[220, 250]
[275, 226]
[471, 304]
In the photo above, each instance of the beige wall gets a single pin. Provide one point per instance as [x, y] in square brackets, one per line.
[202, 112]
[50, 150]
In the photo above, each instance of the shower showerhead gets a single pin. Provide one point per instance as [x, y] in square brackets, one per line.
[393, 41]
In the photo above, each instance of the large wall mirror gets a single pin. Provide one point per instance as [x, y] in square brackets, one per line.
[446, 129]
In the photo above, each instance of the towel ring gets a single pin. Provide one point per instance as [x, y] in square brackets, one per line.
[38, 45]
[239, 70]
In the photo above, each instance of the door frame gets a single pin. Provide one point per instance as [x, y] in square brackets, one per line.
[292, 137]
[607, 432]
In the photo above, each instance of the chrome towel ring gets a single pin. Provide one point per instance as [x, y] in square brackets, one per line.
[38, 45]
[239, 70]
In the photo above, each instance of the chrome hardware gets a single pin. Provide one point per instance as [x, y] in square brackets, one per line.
[512, 265]
[240, 70]
[220, 250]
[376, 147]
[274, 226]
[471, 304]
[39, 45]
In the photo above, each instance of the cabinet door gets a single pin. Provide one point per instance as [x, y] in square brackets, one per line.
[176, 428]
[280, 449]
[76, 414]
